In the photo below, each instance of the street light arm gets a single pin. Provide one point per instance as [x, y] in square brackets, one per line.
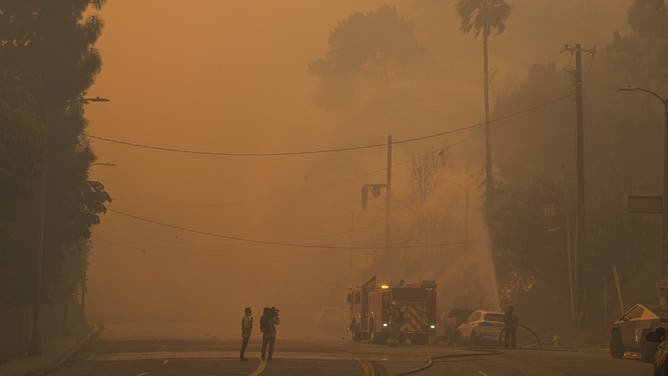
[86, 100]
[663, 100]
[103, 164]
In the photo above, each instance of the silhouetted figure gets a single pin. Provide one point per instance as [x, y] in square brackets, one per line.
[246, 330]
[268, 323]
[510, 323]
[396, 321]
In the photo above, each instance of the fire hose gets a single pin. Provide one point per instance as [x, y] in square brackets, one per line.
[540, 345]
[431, 360]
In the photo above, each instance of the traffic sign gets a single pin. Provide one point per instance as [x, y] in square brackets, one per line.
[645, 204]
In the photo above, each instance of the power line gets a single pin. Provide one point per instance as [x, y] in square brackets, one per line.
[305, 190]
[218, 249]
[280, 244]
[321, 186]
[331, 150]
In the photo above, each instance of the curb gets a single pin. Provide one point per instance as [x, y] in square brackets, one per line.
[81, 342]
[49, 366]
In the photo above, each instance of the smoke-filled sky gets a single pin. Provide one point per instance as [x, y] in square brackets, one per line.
[233, 76]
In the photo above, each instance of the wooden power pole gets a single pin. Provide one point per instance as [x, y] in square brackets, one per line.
[580, 202]
[388, 194]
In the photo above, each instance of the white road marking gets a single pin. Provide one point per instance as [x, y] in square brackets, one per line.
[367, 369]
[218, 354]
[481, 373]
[165, 362]
[143, 374]
[260, 368]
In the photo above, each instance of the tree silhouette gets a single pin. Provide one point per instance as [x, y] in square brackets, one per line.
[378, 46]
[485, 16]
[47, 54]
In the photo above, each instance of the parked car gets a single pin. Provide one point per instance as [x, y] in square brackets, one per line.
[447, 328]
[658, 336]
[481, 327]
[629, 333]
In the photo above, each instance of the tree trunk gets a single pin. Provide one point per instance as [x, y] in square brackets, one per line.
[65, 328]
[489, 178]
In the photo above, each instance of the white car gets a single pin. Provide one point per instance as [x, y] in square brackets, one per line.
[481, 327]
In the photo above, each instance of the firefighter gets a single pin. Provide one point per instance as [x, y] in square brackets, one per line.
[510, 323]
[268, 323]
[246, 329]
[396, 320]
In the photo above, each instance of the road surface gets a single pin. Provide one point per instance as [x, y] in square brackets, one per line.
[200, 357]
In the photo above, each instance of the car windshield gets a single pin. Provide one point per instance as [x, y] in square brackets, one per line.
[494, 317]
[661, 312]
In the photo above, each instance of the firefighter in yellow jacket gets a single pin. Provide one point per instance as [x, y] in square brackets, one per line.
[396, 321]
[246, 330]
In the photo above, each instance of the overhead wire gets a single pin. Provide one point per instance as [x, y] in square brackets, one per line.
[226, 247]
[326, 185]
[282, 244]
[330, 150]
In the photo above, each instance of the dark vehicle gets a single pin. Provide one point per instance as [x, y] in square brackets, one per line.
[658, 336]
[447, 328]
[629, 333]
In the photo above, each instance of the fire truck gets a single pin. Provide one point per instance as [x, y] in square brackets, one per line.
[371, 305]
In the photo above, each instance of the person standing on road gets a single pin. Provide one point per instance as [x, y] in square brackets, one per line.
[510, 323]
[268, 323]
[246, 330]
[396, 321]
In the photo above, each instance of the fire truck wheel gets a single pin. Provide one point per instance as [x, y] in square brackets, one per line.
[419, 339]
[616, 344]
[475, 341]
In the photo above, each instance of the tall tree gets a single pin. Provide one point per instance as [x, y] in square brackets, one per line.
[48, 46]
[376, 47]
[485, 16]
[649, 19]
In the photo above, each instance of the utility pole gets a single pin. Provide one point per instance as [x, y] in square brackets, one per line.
[388, 194]
[84, 290]
[35, 348]
[580, 208]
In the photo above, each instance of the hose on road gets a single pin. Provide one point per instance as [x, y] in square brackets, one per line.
[538, 342]
[431, 360]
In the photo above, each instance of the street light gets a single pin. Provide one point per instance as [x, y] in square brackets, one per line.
[85, 100]
[664, 235]
[103, 164]
[35, 347]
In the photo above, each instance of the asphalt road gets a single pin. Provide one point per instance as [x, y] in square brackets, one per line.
[199, 357]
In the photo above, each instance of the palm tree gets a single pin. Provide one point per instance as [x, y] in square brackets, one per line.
[485, 16]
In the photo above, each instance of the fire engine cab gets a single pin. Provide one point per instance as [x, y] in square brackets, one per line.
[371, 305]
